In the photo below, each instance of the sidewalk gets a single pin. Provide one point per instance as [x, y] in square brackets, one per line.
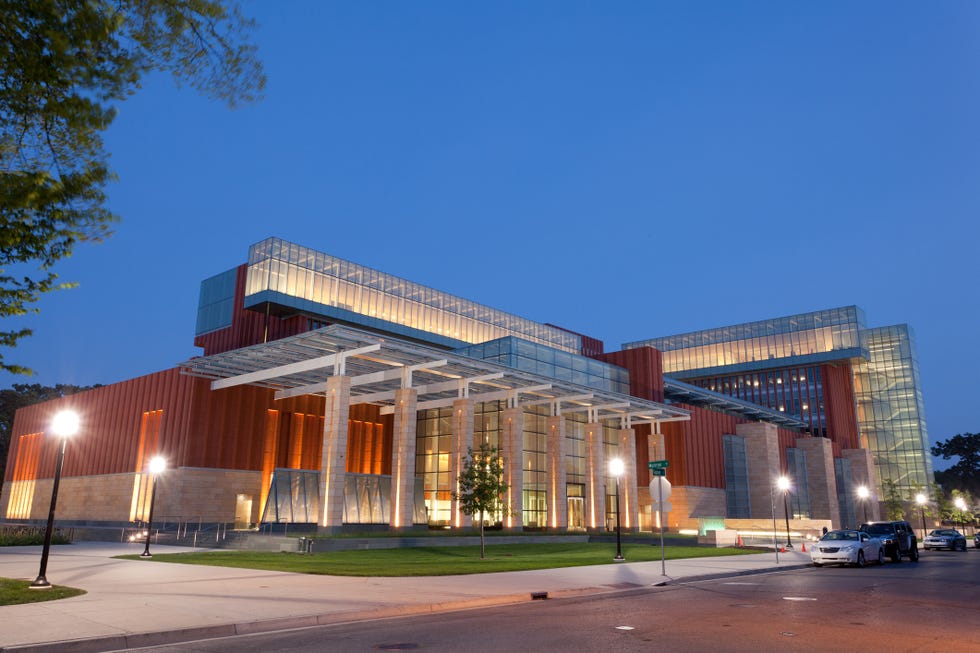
[133, 603]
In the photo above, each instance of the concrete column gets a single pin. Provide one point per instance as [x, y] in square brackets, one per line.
[762, 458]
[629, 510]
[863, 473]
[512, 446]
[461, 444]
[821, 478]
[557, 483]
[333, 452]
[595, 478]
[403, 458]
[656, 447]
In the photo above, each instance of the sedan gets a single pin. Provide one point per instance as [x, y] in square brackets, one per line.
[845, 547]
[976, 541]
[945, 538]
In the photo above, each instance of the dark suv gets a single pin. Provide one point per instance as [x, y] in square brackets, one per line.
[897, 537]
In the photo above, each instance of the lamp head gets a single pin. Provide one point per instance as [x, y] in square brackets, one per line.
[960, 503]
[65, 424]
[863, 492]
[782, 483]
[616, 467]
[921, 499]
[157, 464]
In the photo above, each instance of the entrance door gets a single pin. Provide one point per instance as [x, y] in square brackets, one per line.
[243, 511]
[576, 513]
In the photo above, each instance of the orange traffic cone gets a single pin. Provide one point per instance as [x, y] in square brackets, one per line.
[739, 543]
[804, 546]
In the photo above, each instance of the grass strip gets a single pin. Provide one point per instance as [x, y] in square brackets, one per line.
[439, 560]
[15, 592]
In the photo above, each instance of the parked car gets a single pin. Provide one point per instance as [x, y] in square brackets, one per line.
[976, 541]
[897, 537]
[945, 538]
[846, 547]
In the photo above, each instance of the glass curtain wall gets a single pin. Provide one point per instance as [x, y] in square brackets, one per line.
[736, 477]
[294, 271]
[891, 416]
[535, 467]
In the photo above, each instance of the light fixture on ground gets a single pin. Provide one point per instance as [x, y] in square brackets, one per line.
[921, 500]
[157, 465]
[783, 483]
[64, 425]
[863, 494]
[616, 469]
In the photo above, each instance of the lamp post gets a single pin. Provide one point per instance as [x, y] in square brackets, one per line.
[616, 469]
[864, 494]
[960, 504]
[157, 465]
[783, 483]
[921, 500]
[64, 425]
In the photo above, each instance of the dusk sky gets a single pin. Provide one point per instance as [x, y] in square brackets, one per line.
[623, 169]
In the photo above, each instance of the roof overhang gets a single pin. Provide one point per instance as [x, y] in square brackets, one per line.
[378, 366]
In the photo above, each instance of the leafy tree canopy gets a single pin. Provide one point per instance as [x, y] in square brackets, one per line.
[20, 395]
[481, 486]
[64, 64]
[965, 473]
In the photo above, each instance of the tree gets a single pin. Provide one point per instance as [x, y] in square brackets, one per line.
[894, 502]
[481, 487]
[63, 65]
[965, 474]
[20, 395]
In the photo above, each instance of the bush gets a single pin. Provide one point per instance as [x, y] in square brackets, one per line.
[31, 535]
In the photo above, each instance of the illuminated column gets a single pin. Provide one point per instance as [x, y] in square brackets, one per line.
[626, 439]
[557, 487]
[863, 473]
[461, 444]
[656, 447]
[821, 479]
[403, 458]
[762, 462]
[333, 452]
[512, 441]
[595, 478]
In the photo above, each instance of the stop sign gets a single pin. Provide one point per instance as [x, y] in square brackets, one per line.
[658, 484]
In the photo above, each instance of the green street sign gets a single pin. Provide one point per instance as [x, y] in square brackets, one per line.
[658, 471]
[658, 464]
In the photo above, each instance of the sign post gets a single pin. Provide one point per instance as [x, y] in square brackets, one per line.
[659, 468]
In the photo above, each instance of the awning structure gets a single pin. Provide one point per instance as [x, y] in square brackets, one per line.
[692, 394]
[378, 366]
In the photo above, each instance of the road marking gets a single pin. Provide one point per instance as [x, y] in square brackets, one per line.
[738, 583]
[798, 598]
[625, 628]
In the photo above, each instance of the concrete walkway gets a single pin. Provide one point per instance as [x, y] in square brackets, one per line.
[133, 603]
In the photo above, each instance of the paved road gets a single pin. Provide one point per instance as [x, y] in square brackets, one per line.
[925, 606]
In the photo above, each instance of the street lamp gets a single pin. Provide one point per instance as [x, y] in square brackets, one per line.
[783, 483]
[921, 499]
[863, 494]
[157, 465]
[64, 425]
[616, 469]
[960, 504]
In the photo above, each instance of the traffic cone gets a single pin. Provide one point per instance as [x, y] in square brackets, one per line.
[739, 542]
[804, 547]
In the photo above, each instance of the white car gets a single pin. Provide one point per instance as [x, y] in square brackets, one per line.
[844, 547]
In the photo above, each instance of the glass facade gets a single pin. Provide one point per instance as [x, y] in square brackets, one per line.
[799, 493]
[808, 338]
[553, 363]
[216, 302]
[736, 478]
[845, 493]
[891, 416]
[287, 274]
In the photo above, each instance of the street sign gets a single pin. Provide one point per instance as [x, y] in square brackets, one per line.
[659, 489]
[658, 464]
[658, 472]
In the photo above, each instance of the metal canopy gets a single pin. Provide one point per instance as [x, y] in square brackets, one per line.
[379, 366]
[690, 394]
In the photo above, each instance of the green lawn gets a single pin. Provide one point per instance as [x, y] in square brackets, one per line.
[440, 560]
[14, 592]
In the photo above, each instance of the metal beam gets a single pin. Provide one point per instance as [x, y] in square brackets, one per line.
[291, 368]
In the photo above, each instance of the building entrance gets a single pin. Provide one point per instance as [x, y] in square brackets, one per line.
[576, 513]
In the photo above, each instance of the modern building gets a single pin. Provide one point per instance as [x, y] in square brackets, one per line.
[827, 369]
[339, 396]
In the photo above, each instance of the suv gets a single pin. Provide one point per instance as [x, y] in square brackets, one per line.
[897, 538]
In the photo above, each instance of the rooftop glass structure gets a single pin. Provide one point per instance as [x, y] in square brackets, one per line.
[891, 416]
[292, 277]
[807, 338]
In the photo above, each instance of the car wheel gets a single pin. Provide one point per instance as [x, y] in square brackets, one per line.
[963, 546]
[914, 554]
[860, 560]
[881, 557]
[818, 564]
[896, 555]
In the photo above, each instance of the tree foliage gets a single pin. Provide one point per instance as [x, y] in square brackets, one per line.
[965, 473]
[64, 64]
[481, 487]
[894, 502]
[20, 395]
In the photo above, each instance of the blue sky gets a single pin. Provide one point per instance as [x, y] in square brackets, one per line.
[624, 169]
